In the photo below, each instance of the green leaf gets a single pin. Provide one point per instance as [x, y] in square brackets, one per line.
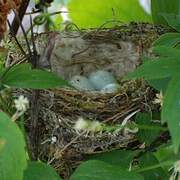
[22, 76]
[94, 13]
[120, 158]
[40, 171]
[156, 174]
[165, 51]
[172, 20]
[168, 40]
[160, 84]
[146, 135]
[12, 150]
[171, 110]
[156, 69]
[166, 153]
[98, 170]
[163, 6]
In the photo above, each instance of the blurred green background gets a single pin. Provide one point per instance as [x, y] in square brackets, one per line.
[93, 13]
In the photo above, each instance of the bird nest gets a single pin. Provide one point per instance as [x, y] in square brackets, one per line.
[62, 146]
[80, 53]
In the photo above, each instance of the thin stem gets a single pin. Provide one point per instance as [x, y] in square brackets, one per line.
[34, 57]
[16, 40]
[51, 14]
[22, 10]
[24, 33]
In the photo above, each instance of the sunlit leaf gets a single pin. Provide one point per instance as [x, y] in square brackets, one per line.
[93, 13]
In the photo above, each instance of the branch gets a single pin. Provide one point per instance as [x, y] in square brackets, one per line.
[21, 13]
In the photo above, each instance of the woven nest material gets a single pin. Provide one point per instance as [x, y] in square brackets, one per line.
[59, 109]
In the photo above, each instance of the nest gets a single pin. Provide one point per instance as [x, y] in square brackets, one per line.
[62, 146]
[59, 143]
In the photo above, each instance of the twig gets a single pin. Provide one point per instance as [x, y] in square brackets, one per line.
[24, 33]
[66, 146]
[34, 131]
[34, 53]
[51, 14]
[34, 112]
[16, 40]
[21, 12]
